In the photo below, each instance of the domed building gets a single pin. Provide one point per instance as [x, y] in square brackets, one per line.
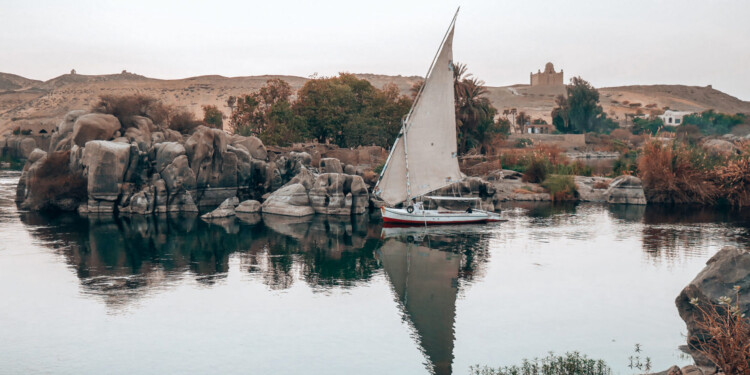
[548, 77]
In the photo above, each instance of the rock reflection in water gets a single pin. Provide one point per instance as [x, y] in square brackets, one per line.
[120, 258]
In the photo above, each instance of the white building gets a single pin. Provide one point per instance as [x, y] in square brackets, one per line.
[673, 118]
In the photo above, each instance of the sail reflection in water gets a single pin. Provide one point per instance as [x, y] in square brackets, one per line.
[120, 260]
[424, 265]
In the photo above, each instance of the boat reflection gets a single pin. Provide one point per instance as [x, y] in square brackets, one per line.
[122, 259]
[424, 266]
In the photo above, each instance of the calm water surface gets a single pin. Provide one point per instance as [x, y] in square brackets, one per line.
[341, 296]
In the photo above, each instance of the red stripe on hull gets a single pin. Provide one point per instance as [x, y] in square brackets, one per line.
[422, 222]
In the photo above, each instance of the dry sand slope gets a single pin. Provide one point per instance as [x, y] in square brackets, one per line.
[37, 105]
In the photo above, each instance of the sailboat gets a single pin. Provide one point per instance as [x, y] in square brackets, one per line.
[424, 156]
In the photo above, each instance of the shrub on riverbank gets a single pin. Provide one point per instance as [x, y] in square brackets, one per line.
[570, 363]
[537, 163]
[561, 187]
[680, 172]
[55, 182]
[726, 338]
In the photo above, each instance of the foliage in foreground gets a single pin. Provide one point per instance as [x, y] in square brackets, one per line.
[568, 364]
[725, 338]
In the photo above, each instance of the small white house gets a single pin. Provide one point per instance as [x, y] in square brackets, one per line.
[673, 118]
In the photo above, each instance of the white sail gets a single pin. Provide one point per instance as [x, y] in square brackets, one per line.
[424, 158]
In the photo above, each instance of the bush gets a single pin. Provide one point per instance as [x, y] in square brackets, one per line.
[561, 188]
[125, 107]
[213, 117]
[725, 338]
[576, 168]
[568, 364]
[54, 181]
[734, 181]
[677, 174]
[523, 142]
[536, 171]
[626, 164]
[184, 122]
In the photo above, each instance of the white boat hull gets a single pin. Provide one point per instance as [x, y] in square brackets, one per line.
[400, 216]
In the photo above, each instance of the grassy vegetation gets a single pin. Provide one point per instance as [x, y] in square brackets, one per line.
[537, 163]
[561, 187]
[126, 107]
[726, 338]
[568, 364]
[680, 172]
[626, 164]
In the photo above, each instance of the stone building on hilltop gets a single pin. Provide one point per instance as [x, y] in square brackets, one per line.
[548, 77]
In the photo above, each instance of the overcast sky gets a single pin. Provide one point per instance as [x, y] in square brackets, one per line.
[608, 43]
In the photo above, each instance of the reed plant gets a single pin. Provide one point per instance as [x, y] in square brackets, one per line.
[724, 334]
[569, 364]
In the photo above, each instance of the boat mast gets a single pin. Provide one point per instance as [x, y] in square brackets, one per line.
[405, 121]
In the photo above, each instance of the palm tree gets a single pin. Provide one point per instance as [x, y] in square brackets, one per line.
[472, 107]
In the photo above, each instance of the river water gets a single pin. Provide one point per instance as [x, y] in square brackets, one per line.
[271, 295]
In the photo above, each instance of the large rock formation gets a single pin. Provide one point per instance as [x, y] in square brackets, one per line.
[339, 194]
[592, 189]
[225, 209]
[17, 146]
[625, 190]
[141, 168]
[94, 126]
[106, 163]
[249, 206]
[62, 138]
[730, 267]
[291, 200]
[721, 147]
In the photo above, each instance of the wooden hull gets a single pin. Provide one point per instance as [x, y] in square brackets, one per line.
[400, 216]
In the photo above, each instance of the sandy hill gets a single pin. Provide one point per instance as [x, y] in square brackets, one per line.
[37, 105]
[10, 82]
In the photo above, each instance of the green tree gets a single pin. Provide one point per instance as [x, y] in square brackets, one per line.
[713, 123]
[267, 114]
[579, 111]
[213, 117]
[645, 126]
[350, 111]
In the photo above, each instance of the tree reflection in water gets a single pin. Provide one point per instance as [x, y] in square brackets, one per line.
[672, 233]
[121, 259]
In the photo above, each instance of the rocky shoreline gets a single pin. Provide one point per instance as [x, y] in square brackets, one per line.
[149, 169]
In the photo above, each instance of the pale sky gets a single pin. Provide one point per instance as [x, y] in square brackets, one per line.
[608, 43]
